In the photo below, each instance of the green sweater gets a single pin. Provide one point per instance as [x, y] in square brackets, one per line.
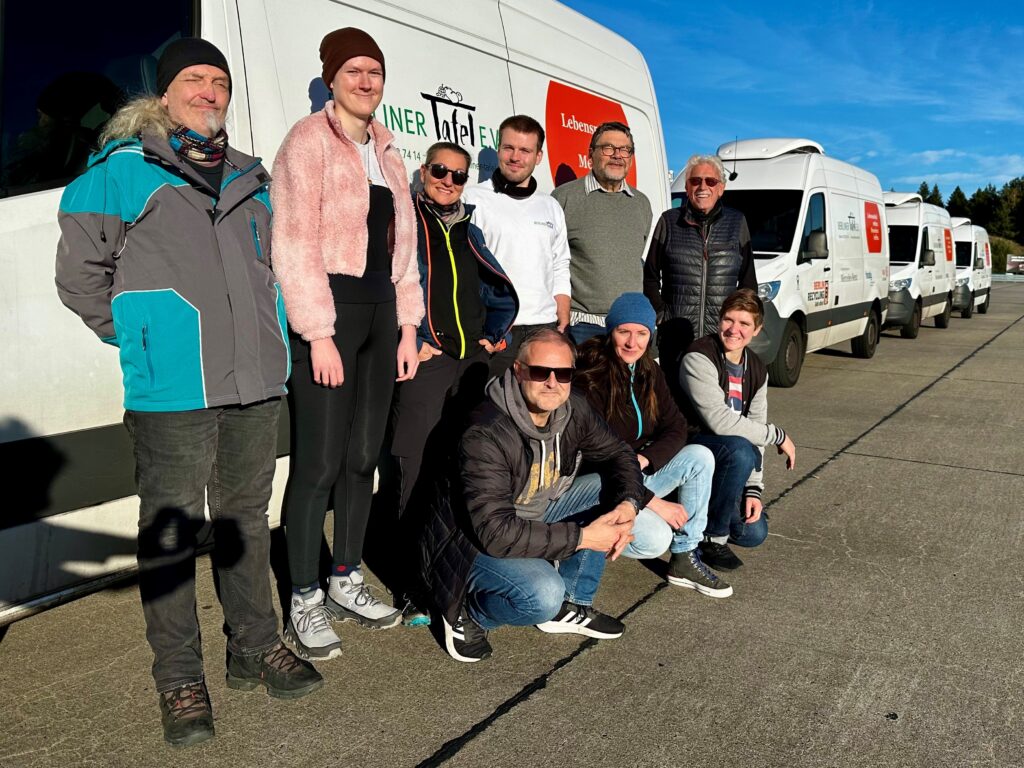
[607, 239]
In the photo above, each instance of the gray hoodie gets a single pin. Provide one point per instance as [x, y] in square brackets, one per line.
[546, 481]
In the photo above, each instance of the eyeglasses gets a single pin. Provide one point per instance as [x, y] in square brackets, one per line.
[541, 373]
[610, 150]
[711, 181]
[440, 170]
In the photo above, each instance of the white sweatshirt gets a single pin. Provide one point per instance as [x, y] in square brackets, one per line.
[528, 238]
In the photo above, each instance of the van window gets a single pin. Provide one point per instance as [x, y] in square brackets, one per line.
[815, 221]
[771, 216]
[677, 199]
[66, 69]
[902, 242]
[963, 254]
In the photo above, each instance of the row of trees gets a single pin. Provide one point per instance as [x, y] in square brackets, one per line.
[1001, 212]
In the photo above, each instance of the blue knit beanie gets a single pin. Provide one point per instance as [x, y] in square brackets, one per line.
[631, 308]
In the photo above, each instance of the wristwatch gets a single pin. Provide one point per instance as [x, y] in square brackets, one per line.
[634, 502]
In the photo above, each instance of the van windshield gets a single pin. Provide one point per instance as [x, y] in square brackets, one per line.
[963, 254]
[902, 243]
[771, 216]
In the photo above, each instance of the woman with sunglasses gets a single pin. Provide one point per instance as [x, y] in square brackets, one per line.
[344, 250]
[620, 379]
[470, 305]
[699, 254]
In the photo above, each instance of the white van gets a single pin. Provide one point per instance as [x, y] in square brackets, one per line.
[454, 71]
[817, 228]
[973, 268]
[922, 273]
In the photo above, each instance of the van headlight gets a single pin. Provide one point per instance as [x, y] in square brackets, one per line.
[768, 291]
[962, 281]
[899, 285]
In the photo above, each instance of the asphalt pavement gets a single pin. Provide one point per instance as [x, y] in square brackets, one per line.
[879, 625]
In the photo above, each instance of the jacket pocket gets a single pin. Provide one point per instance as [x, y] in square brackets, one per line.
[257, 240]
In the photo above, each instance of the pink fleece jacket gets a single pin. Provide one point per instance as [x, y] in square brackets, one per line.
[320, 199]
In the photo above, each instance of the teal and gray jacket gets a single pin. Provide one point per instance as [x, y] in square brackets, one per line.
[175, 276]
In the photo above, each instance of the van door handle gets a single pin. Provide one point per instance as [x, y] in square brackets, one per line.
[826, 269]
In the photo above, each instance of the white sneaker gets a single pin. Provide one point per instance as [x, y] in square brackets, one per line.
[349, 599]
[309, 628]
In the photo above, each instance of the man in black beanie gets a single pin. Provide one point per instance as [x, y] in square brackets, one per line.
[190, 301]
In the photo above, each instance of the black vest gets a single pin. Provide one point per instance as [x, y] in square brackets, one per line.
[702, 266]
[754, 377]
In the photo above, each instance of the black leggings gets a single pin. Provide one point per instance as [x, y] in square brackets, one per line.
[336, 438]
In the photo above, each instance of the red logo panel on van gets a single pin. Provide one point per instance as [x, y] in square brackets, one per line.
[570, 118]
[873, 227]
[949, 244]
[988, 256]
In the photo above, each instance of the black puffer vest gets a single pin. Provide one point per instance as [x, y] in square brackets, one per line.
[702, 265]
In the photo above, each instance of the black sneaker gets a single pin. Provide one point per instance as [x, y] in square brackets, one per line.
[466, 640]
[583, 620]
[718, 556]
[284, 674]
[186, 715]
[685, 569]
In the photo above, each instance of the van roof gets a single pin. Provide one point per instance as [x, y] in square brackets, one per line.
[959, 221]
[763, 149]
[900, 198]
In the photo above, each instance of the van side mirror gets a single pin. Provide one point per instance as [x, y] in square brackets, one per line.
[979, 263]
[928, 258]
[815, 246]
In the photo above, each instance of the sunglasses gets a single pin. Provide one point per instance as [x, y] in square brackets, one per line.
[711, 181]
[541, 373]
[440, 170]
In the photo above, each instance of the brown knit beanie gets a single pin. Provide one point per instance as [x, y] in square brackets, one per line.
[343, 44]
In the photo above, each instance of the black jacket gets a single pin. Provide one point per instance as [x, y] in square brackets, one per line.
[694, 263]
[472, 506]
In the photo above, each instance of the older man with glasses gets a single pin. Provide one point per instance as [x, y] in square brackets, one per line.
[514, 501]
[699, 254]
[608, 223]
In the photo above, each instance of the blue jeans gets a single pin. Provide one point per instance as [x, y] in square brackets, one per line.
[690, 471]
[581, 332]
[225, 455]
[524, 591]
[735, 459]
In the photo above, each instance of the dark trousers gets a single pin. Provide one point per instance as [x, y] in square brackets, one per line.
[336, 438]
[182, 459]
[428, 414]
[502, 361]
[735, 458]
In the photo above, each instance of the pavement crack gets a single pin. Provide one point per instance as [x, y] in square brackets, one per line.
[853, 441]
[452, 747]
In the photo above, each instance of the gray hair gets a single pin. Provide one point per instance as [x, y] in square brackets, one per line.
[542, 335]
[713, 160]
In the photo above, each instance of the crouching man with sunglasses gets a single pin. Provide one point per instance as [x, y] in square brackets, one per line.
[470, 305]
[699, 254]
[513, 501]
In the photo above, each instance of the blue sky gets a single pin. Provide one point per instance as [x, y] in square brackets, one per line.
[910, 91]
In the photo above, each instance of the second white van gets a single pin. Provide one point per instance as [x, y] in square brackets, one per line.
[817, 228]
[922, 271]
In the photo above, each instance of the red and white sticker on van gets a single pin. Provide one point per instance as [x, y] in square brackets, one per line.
[949, 244]
[570, 119]
[873, 227]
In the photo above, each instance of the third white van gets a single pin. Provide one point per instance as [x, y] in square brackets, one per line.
[973, 268]
[922, 272]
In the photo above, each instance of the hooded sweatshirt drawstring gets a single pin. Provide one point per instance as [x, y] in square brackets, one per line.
[636, 405]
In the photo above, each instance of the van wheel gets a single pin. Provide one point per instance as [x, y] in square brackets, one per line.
[968, 311]
[784, 370]
[911, 329]
[942, 321]
[983, 309]
[866, 344]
